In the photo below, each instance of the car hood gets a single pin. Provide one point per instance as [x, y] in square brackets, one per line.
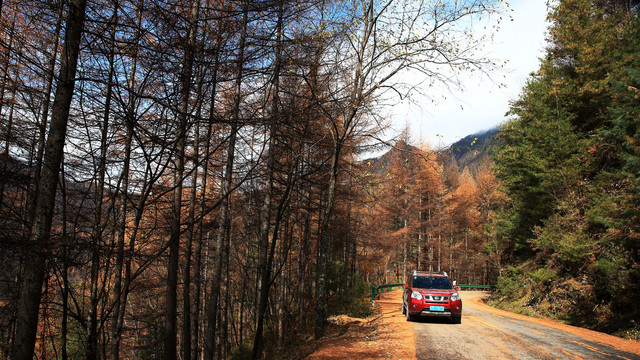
[435, 291]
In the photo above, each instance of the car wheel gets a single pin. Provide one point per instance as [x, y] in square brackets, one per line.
[409, 316]
[404, 310]
[456, 319]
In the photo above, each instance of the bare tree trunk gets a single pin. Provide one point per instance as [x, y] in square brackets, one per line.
[187, 330]
[42, 126]
[323, 246]
[346, 271]
[170, 334]
[64, 322]
[225, 208]
[3, 84]
[212, 321]
[302, 262]
[7, 64]
[224, 324]
[186, 287]
[266, 277]
[197, 279]
[92, 318]
[404, 260]
[35, 260]
[265, 219]
[120, 302]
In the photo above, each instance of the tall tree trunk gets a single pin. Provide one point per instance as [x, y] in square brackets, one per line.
[171, 304]
[305, 237]
[340, 134]
[212, 309]
[186, 287]
[197, 279]
[64, 321]
[92, 321]
[265, 218]
[7, 63]
[266, 277]
[32, 195]
[3, 84]
[35, 259]
[120, 304]
[127, 276]
[225, 208]
[224, 324]
[214, 299]
[323, 246]
[187, 330]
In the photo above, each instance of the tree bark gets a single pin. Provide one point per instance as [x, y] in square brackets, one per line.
[171, 305]
[42, 126]
[92, 321]
[197, 279]
[323, 246]
[187, 330]
[120, 291]
[3, 84]
[39, 244]
[214, 299]
[264, 270]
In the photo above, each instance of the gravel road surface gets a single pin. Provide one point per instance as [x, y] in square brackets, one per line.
[488, 333]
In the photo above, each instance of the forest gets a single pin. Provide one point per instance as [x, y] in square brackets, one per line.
[569, 162]
[194, 179]
[183, 179]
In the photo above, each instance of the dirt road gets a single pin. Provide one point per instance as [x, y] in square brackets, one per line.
[488, 333]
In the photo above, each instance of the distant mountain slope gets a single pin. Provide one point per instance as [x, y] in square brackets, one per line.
[379, 166]
[471, 150]
[468, 152]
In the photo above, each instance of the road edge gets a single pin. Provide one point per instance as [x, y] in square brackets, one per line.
[603, 338]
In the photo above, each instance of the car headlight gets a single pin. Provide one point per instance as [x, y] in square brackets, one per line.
[416, 295]
[455, 297]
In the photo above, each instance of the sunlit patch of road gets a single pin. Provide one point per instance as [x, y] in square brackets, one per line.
[487, 333]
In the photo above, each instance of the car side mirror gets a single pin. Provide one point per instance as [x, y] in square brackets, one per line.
[405, 286]
[458, 288]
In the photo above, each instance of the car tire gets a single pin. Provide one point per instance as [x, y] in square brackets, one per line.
[409, 316]
[404, 310]
[456, 319]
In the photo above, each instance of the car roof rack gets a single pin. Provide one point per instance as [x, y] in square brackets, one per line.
[416, 272]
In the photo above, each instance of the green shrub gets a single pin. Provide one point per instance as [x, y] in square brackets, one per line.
[354, 301]
[543, 275]
[510, 284]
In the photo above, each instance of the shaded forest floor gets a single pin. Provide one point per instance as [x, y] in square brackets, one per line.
[385, 335]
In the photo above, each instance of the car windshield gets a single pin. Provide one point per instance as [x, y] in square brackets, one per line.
[431, 282]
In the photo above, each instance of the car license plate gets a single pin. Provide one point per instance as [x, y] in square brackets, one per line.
[436, 308]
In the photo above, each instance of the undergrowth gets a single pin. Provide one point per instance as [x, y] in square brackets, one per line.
[543, 292]
[353, 301]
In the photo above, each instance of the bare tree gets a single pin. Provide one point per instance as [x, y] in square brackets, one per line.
[170, 344]
[35, 265]
[222, 236]
[382, 40]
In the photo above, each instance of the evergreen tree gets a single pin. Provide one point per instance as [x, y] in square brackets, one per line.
[569, 161]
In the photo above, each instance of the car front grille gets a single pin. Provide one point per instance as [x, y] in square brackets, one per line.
[436, 297]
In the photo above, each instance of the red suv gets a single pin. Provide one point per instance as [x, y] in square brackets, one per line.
[431, 294]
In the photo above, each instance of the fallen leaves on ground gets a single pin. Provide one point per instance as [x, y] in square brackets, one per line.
[386, 335]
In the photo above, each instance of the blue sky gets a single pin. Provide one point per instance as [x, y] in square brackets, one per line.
[482, 104]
